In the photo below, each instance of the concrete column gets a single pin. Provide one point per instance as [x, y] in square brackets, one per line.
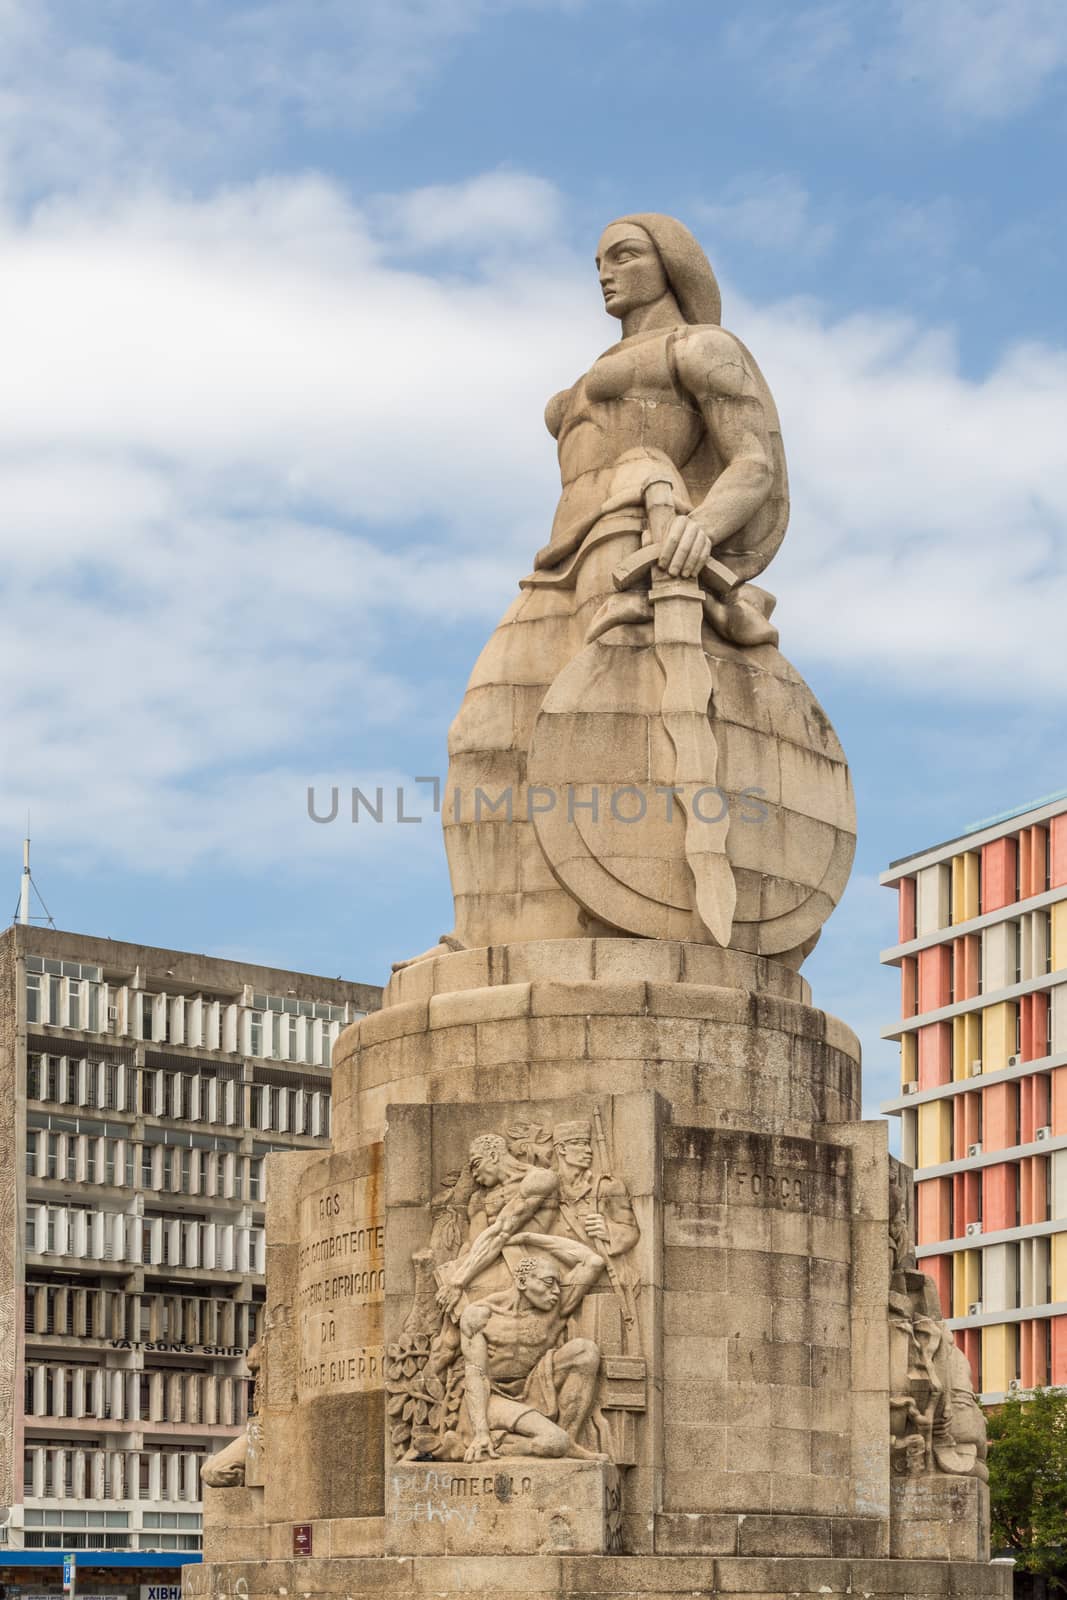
[116, 1464]
[40, 1392]
[79, 1392]
[38, 1474]
[173, 1472]
[156, 1410]
[80, 1475]
[155, 1475]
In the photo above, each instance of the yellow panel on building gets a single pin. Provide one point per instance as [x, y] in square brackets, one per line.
[998, 1035]
[966, 1281]
[1059, 935]
[1058, 1253]
[965, 882]
[966, 1043]
[909, 1058]
[935, 1133]
[998, 1357]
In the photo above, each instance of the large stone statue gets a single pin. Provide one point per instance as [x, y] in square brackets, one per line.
[604, 1286]
[633, 755]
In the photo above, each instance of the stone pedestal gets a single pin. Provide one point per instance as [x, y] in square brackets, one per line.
[732, 1315]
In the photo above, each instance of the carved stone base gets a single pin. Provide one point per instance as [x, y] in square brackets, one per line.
[939, 1518]
[551, 1577]
[502, 1507]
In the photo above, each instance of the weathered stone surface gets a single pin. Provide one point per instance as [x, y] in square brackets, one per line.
[505, 1506]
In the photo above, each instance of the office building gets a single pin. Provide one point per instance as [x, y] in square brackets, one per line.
[982, 953]
[140, 1093]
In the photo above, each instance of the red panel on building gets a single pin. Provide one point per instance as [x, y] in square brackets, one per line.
[935, 977]
[999, 1116]
[940, 1269]
[1058, 1107]
[906, 909]
[1058, 849]
[933, 1210]
[998, 1197]
[1058, 1375]
[998, 874]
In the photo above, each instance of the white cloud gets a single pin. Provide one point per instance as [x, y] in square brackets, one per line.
[963, 61]
[249, 462]
[982, 59]
[101, 92]
[773, 212]
[484, 212]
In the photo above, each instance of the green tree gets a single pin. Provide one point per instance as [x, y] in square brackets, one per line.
[1028, 1482]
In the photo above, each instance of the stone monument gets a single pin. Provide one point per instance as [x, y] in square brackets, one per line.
[604, 1287]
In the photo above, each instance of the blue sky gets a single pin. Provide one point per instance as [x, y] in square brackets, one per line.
[284, 289]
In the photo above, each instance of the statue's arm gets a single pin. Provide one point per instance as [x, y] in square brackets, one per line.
[712, 367]
[536, 1188]
[476, 1379]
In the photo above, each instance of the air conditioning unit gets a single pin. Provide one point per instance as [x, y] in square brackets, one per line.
[1013, 1061]
[976, 1068]
[973, 1228]
[1043, 1133]
[911, 1088]
[974, 1149]
[112, 1013]
[975, 1309]
[1014, 1385]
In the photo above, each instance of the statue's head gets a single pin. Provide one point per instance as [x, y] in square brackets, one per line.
[573, 1143]
[538, 1279]
[489, 1159]
[646, 256]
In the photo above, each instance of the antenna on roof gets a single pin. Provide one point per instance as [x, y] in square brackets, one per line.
[28, 890]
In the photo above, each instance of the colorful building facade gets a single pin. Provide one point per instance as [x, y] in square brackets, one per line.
[982, 954]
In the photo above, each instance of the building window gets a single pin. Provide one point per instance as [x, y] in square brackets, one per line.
[33, 997]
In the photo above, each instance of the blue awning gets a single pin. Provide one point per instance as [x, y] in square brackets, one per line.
[100, 1558]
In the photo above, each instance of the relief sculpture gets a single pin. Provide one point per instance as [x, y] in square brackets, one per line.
[496, 1356]
[936, 1423]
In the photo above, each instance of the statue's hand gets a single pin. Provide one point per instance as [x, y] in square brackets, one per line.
[596, 1227]
[448, 1298]
[685, 548]
[480, 1448]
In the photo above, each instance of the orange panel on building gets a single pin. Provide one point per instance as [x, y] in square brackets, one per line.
[967, 1190]
[909, 986]
[998, 874]
[1033, 1026]
[935, 1055]
[1000, 1116]
[966, 959]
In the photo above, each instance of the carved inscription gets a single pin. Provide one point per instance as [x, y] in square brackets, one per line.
[773, 1188]
[341, 1288]
[454, 1495]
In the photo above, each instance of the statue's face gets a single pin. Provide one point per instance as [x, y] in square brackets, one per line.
[541, 1287]
[486, 1168]
[630, 269]
[577, 1152]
